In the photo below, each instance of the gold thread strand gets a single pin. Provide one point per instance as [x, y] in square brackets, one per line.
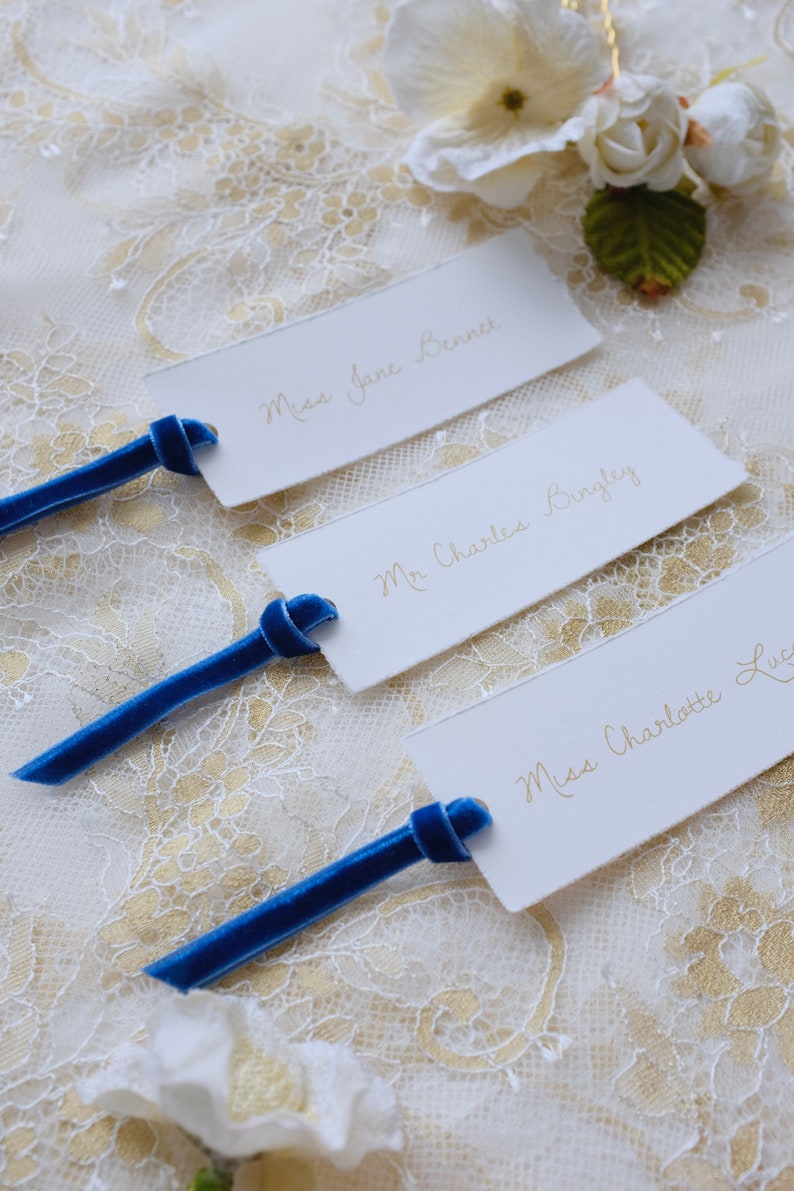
[609, 27]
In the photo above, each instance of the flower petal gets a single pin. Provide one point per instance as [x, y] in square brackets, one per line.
[440, 56]
[355, 1113]
[744, 137]
[190, 1043]
[561, 54]
[124, 1086]
[220, 1067]
[633, 133]
[497, 81]
[496, 161]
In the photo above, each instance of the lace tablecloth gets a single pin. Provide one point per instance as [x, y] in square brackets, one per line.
[180, 175]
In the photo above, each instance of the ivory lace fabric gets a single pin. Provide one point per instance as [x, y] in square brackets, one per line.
[179, 175]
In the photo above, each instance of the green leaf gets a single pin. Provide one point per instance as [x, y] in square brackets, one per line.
[650, 239]
[209, 1178]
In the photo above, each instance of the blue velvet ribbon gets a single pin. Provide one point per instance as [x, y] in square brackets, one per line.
[168, 444]
[281, 633]
[434, 832]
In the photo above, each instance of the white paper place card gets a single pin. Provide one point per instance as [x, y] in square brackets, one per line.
[588, 759]
[421, 571]
[322, 392]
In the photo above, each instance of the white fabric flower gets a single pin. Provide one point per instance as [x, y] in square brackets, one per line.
[218, 1066]
[742, 139]
[634, 134]
[497, 82]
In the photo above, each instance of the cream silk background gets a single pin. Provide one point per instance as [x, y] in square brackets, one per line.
[176, 176]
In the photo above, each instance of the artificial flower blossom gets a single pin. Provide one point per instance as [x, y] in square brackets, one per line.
[218, 1066]
[497, 83]
[634, 132]
[742, 137]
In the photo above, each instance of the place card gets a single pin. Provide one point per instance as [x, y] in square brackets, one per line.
[419, 572]
[585, 761]
[319, 393]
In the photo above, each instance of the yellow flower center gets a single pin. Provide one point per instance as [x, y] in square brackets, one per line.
[259, 1083]
[512, 99]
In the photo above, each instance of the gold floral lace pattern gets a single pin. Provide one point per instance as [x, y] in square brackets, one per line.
[636, 1030]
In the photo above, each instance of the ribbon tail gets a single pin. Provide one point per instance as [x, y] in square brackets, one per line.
[281, 633]
[98, 739]
[435, 833]
[169, 443]
[76, 486]
[279, 918]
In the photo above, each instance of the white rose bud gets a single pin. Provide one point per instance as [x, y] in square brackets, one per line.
[634, 133]
[742, 137]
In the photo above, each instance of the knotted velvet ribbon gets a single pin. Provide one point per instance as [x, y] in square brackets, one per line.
[434, 832]
[168, 444]
[281, 633]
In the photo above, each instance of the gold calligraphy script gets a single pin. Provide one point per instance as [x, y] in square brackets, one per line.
[447, 555]
[541, 779]
[363, 380]
[778, 667]
[558, 498]
[620, 741]
[623, 740]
